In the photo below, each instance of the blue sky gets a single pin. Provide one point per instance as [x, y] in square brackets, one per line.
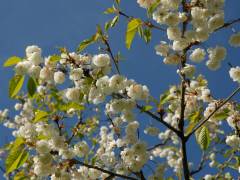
[54, 23]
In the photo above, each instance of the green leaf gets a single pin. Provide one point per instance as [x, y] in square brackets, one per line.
[152, 8]
[107, 25]
[238, 107]
[12, 61]
[40, 116]
[93, 160]
[203, 138]
[76, 106]
[147, 35]
[99, 32]
[132, 28]
[237, 160]
[228, 152]
[18, 141]
[195, 116]
[31, 86]
[114, 21]
[111, 23]
[190, 127]
[15, 85]
[16, 159]
[55, 58]
[164, 98]
[110, 10]
[118, 1]
[146, 108]
[140, 31]
[221, 115]
[63, 50]
[20, 176]
[17, 156]
[87, 42]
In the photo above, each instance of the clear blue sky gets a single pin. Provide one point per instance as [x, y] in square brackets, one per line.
[54, 23]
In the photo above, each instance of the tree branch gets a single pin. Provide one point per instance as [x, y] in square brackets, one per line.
[229, 24]
[146, 23]
[80, 121]
[158, 145]
[224, 166]
[210, 115]
[159, 119]
[201, 165]
[185, 167]
[111, 54]
[142, 175]
[74, 161]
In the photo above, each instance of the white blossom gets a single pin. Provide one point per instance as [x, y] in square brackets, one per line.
[35, 58]
[172, 59]
[173, 33]
[73, 94]
[59, 77]
[162, 49]
[43, 147]
[138, 92]
[76, 74]
[233, 141]
[101, 60]
[32, 49]
[234, 73]
[216, 22]
[145, 3]
[198, 55]
[22, 67]
[235, 40]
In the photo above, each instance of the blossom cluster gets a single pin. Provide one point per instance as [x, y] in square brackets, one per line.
[90, 84]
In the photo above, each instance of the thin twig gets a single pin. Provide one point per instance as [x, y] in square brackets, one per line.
[201, 165]
[80, 121]
[111, 54]
[224, 166]
[210, 115]
[74, 161]
[159, 119]
[114, 127]
[146, 23]
[158, 145]
[229, 24]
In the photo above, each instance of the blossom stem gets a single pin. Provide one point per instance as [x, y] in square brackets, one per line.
[80, 121]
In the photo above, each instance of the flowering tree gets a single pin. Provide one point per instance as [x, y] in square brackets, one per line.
[87, 92]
